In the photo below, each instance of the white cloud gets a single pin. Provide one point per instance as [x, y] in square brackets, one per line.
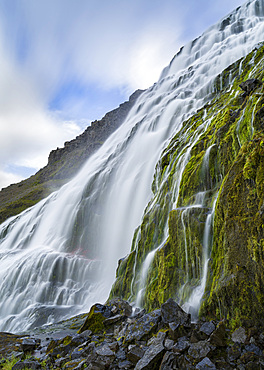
[7, 178]
[47, 44]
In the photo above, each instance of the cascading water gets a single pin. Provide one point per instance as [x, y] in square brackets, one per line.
[60, 256]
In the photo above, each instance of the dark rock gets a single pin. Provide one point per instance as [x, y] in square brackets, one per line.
[151, 359]
[171, 312]
[239, 335]
[219, 336]
[180, 346]
[207, 328]
[117, 319]
[234, 352]
[200, 349]
[143, 327]
[95, 319]
[27, 364]
[125, 365]
[105, 351]
[83, 352]
[176, 330]
[120, 307]
[135, 353]
[250, 85]
[159, 339]
[169, 361]
[121, 355]
[29, 344]
[206, 363]
[168, 344]
[254, 349]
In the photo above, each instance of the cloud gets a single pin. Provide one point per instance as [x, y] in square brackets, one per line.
[63, 61]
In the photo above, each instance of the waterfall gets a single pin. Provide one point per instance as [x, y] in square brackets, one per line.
[60, 256]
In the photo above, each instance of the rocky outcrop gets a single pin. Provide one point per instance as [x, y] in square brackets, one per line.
[63, 163]
[138, 341]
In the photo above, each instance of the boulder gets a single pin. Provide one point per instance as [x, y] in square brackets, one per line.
[239, 335]
[29, 345]
[143, 327]
[135, 353]
[95, 319]
[151, 359]
[200, 349]
[206, 363]
[169, 361]
[171, 312]
[219, 336]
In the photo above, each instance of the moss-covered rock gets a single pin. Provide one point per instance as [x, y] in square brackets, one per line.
[218, 152]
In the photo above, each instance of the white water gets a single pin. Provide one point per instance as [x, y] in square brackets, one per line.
[47, 271]
[193, 303]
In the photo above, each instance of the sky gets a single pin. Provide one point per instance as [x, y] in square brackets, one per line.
[65, 63]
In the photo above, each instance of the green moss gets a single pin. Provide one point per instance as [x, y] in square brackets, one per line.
[214, 152]
[94, 321]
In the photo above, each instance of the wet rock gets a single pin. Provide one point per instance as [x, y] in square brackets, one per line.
[104, 350]
[125, 365]
[250, 85]
[142, 327]
[169, 361]
[239, 335]
[135, 353]
[206, 363]
[117, 319]
[120, 307]
[219, 336]
[254, 349]
[200, 349]
[234, 352]
[121, 354]
[96, 317]
[171, 312]
[168, 344]
[29, 345]
[207, 328]
[159, 339]
[151, 359]
[83, 351]
[180, 346]
[27, 364]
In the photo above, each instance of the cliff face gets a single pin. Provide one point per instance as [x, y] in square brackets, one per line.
[63, 163]
[211, 175]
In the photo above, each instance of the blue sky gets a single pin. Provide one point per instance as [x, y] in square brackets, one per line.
[65, 63]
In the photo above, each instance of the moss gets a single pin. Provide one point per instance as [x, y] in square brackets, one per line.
[235, 287]
[94, 321]
[213, 152]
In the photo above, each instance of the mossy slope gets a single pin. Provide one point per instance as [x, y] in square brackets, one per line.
[217, 153]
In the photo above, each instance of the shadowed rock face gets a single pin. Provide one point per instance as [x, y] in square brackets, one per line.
[63, 163]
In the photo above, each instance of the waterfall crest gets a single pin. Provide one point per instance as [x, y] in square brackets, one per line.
[60, 256]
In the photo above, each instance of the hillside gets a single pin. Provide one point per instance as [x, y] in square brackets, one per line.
[63, 163]
[213, 169]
